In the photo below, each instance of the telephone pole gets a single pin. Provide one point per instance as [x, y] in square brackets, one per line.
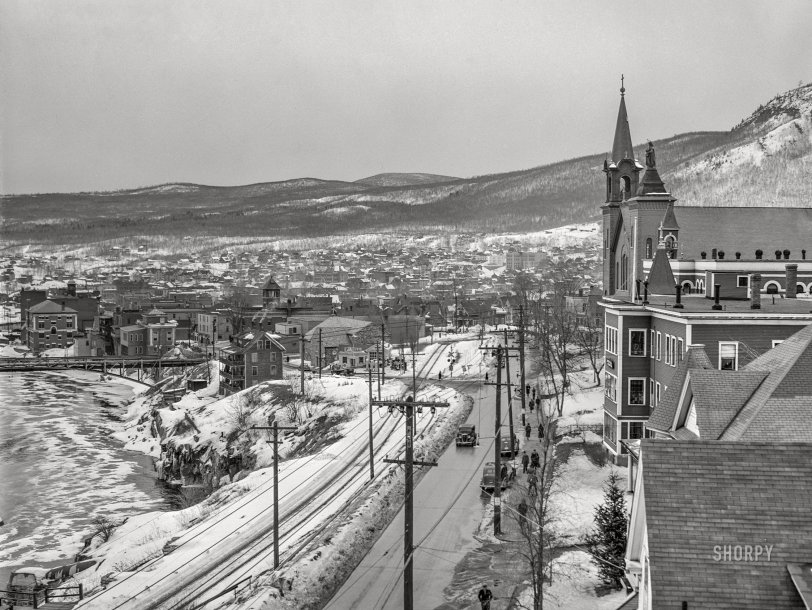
[301, 362]
[275, 430]
[409, 462]
[380, 366]
[371, 453]
[521, 361]
[320, 354]
[510, 396]
[383, 354]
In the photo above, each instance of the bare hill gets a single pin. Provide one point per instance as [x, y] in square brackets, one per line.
[766, 160]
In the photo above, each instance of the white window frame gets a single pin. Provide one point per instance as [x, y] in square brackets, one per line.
[777, 342]
[659, 345]
[613, 386]
[651, 344]
[254, 371]
[735, 344]
[657, 394]
[680, 349]
[645, 342]
[668, 349]
[611, 340]
[629, 392]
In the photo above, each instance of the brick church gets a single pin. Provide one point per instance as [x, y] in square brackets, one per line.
[734, 280]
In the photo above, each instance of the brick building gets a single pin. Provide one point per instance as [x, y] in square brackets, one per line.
[252, 357]
[49, 325]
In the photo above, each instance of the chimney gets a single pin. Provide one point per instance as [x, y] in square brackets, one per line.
[71, 289]
[716, 289]
[792, 279]
[678, 291]
[755, 291]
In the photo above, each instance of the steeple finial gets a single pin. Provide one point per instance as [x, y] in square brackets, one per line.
[622, 88]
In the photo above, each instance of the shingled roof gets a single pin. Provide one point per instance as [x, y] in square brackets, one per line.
[703, 496]
[663, 415]
[789, 385]
[720, 395]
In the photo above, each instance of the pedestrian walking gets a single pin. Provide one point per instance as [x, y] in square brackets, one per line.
[541, 431]
[534, 459]
[538, 403]
[532, 484]
[531, 406]
[503, 472]
[522, 509]
[486, 375]
[525, 461]
[485, 597]
[527, 430]
[512, 474]
[440, 375]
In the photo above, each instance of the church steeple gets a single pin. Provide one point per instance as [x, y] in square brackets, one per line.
[622, 169]
[622, 146]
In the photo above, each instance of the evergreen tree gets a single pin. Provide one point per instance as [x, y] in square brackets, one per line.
[607, 543]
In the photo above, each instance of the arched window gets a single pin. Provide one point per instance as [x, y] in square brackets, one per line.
[799, 289]
[686, 287]
[771, 288]
[648, 248]
[53, 330]
[627, 186]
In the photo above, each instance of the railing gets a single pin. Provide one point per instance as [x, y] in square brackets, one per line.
[575, 429]
[36, 598]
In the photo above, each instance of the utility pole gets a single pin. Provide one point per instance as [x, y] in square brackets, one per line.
[497, 444]
[371, 454]
[510, 395]
[320, 354]
[380, 366]
[383, 354]
[497, 448]
[521, 361]
[301, 362]
[275, 430]
[409, 462]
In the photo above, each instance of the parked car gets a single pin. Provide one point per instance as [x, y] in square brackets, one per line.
[466, 435]
[506, 448]
[488, 478]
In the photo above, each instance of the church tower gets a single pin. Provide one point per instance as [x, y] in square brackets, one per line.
[622, 182]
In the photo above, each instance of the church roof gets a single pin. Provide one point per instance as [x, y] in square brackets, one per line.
[669, 222]
[651, 183]
[271, 284]
[660, 277]
[622, 146]
[743, 229]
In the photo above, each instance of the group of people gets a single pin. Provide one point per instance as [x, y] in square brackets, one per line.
[528, 429]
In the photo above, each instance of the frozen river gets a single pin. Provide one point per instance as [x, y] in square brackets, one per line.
[60, 466]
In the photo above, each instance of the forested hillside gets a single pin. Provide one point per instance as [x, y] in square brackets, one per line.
[765, 160]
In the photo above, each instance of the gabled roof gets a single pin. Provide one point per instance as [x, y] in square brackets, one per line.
[789, 380]
[704, 496]
[740, 229]
[662, 417]
[50, 307]
[271, 284]
[719, 395]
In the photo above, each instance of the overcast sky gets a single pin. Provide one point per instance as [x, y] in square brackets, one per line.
[106, 95]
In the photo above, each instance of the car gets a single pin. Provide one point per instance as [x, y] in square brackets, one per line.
[505, 448]
[466, 435]
[488, 472]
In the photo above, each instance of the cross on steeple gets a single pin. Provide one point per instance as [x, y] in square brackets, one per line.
[622, 88]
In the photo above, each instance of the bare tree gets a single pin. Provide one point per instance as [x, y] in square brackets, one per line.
[589, 338]
[535, 517]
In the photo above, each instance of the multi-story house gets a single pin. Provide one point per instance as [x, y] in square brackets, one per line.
[151, 335]
[49, 325]
[662, 294]
[252, 357]
[212, 326]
